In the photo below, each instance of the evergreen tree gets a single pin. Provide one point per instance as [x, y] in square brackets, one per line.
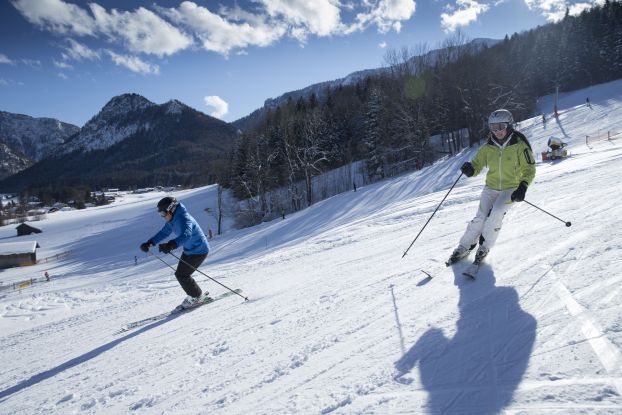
[373, 138]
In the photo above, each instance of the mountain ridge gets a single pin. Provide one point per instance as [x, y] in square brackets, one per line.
[110, 150]
[26, 140]
[320, 88]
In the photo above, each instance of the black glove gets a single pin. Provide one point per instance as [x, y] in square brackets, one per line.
[467, 169]
[519, 194]
[145, 246]
[168, 247]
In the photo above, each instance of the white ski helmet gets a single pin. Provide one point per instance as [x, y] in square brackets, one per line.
[501, 116]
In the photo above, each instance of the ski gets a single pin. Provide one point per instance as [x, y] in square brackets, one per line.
[427, 273]
[472, 270]
[176, 311]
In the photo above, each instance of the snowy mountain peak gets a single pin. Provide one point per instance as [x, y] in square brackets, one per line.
[174, 107]
[125, 103]
[117, 120]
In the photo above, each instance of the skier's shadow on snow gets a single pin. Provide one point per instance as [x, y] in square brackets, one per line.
[479, 368]
[39, 377]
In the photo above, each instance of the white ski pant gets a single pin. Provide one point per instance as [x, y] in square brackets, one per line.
[485, 226]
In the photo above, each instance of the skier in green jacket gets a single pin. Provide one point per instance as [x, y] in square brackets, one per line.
[511, 169]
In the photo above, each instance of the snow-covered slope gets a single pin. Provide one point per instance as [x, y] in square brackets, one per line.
[337, 321]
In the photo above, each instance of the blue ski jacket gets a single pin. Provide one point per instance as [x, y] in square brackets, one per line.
[189, 233]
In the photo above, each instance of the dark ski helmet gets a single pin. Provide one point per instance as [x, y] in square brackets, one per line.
[167, 205]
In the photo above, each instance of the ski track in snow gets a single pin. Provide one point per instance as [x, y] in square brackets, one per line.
[338, 322]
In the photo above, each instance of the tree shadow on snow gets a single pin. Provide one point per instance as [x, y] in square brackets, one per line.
[480, 367]
[40, 377]
[561, 127]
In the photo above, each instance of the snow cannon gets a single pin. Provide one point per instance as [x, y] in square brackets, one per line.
[556, 150]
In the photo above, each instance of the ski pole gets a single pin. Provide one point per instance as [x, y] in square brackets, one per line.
[201, 272]
[165, 263]
[426, 224]
[568, 224]
[173, 268]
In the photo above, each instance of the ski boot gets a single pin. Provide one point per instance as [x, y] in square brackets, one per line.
[459, 253]
[479, 256]
[191, 302]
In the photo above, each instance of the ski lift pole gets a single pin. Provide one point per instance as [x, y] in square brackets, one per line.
[568, 224]
[204, 274]
[426, 224]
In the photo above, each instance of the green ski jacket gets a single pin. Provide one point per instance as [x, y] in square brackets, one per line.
[508, 164]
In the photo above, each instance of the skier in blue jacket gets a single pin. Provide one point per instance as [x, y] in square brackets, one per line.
[190, 236]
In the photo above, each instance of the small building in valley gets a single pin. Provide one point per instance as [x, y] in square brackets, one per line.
[17, 254]
[25, 229]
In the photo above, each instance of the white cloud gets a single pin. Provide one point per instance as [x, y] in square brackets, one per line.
[33, 63]
[62, 64]
[140, 31]
[235, 28]
[5, 59]
[387, 15]
[464, 13]
[62, 75]
[4, 82]
[164, 31]
[220, 35]
[56, 16]
[320, 17]
[555, 10]
[382, 45]
[578, 8]
[221, 107]
[77, 51]
[134, 63]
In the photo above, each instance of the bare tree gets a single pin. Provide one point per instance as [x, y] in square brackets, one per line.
[291, 159]
[311, 152]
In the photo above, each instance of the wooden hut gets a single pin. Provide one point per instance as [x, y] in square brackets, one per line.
[17, 254]
[25, 229]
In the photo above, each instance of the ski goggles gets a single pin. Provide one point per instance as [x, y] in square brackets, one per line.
[498, 126]
[163, 213]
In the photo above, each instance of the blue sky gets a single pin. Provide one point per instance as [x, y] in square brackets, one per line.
[67, 59]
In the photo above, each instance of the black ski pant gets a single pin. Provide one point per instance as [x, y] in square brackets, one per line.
[185, 268]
